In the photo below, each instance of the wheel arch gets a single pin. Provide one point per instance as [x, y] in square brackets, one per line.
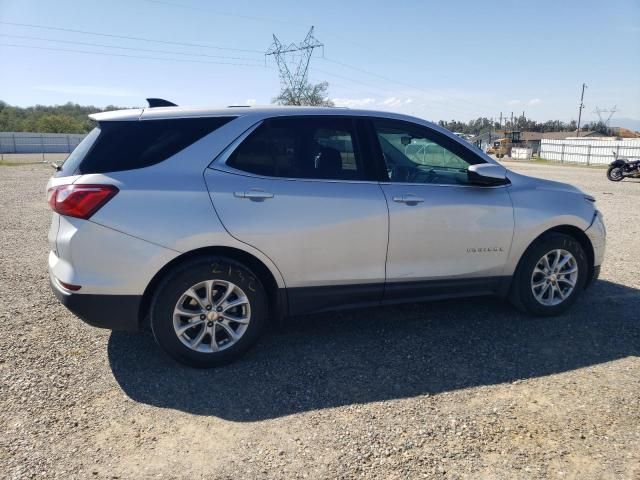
[577, 234]
[276, 296]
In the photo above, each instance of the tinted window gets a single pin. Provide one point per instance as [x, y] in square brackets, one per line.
[72, 162]
[127, 145]
[417, 155]
[320, 148]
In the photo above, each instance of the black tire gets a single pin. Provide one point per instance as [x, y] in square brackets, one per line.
[521, 294]
[172, 288]
[614, 174]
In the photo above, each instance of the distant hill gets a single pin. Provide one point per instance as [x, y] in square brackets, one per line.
[67, 118]
[630, 123]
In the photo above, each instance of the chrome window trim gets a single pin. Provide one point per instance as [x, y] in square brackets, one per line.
[446, 185]
[220, 163]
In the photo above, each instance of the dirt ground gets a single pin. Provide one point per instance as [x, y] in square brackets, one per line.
[463, 389]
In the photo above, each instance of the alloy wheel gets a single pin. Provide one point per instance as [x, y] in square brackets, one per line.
[211, 316]
[554, 277]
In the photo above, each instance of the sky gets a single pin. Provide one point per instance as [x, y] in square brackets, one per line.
[455, 59]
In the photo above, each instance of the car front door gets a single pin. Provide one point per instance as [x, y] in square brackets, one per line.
[447, 236]
[302, 191]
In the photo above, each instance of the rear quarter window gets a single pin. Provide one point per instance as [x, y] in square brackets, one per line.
[127, 145]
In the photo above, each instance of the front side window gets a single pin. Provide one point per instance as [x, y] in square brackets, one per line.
[313, 148]
[416, 155]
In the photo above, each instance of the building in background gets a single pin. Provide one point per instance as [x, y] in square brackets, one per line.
[532, 139]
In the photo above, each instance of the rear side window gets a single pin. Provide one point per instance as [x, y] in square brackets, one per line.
[319, 148]
[127, 145]
[71, 164]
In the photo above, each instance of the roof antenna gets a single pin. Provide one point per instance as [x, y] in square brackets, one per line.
[160, 102]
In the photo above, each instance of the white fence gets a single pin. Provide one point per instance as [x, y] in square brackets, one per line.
[26, 142]
[588, 151]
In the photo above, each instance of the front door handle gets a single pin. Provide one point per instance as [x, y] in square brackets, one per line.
[254, 194]
[409, 199]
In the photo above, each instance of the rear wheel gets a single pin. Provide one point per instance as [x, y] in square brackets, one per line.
[551, 275]
[615, 174]
[209, 311]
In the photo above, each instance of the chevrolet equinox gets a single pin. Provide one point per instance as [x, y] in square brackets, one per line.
[205, 224]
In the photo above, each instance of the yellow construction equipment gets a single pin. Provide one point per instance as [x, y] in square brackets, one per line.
[503, 146]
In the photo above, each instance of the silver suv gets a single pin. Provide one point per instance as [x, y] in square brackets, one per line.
[207, 224]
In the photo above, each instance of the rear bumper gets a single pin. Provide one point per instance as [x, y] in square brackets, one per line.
[115, 312]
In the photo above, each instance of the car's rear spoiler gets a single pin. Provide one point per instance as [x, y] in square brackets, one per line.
[160, 102]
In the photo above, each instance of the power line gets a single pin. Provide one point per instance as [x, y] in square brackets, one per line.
[126, 37]
[130, 56]
[220, 12]
[73, 42]
[249, 17]
[426, 100]
[388, 79]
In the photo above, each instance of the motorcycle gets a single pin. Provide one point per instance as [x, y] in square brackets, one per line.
[622, 167]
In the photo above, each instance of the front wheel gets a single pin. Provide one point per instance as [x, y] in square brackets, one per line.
[550, 276]
[208, 311]
[615, 174]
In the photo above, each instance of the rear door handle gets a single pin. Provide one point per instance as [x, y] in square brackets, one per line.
[408, 199]
[254, 194]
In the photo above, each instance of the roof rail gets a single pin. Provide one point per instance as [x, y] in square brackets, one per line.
[160, 102]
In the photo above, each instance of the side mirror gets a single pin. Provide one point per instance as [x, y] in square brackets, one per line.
[487, 174]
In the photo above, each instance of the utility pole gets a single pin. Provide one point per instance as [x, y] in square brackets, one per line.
[293, 63]
[580, 107]
[500, 120]
[512, 121]
[490, 130]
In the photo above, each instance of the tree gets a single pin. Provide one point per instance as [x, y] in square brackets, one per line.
[308, 94]
[58, 124]
[67, 118]
[598, 126]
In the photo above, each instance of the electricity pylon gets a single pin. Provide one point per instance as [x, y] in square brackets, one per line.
[293, 62]
[610, 111]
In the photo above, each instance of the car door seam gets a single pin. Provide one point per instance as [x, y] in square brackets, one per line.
[213, 205]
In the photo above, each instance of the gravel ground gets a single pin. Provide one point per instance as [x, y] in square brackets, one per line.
[464, 389]
[25, 158]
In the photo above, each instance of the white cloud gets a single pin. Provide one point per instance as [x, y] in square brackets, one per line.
[250, 101]
[353, 102]
[395, 102]
[513, 102]
[96, 90]
[534, 101]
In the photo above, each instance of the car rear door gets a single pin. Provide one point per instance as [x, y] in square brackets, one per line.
[447, 236]
[302, 191]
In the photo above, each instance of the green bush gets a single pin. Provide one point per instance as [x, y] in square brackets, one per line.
[67, 118]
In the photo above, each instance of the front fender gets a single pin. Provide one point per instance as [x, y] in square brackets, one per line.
[539, 206]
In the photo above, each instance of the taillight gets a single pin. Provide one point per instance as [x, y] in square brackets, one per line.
[79, 201]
